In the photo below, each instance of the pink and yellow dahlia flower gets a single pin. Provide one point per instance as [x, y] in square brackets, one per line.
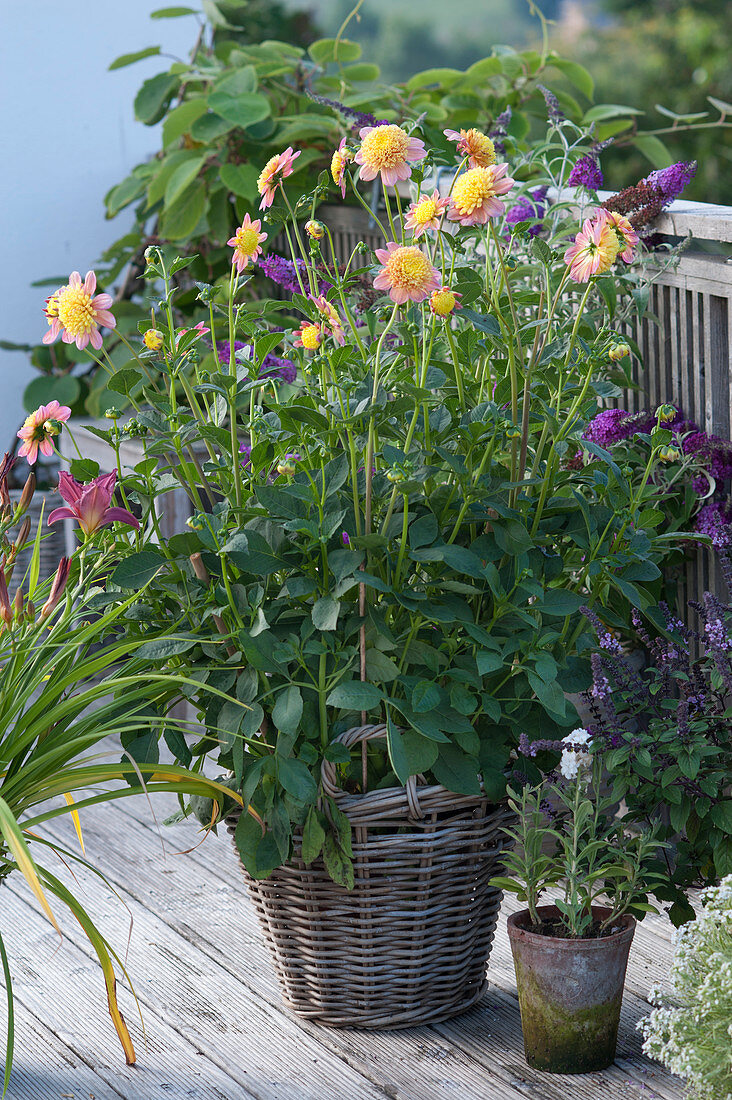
[444, 301]
[153, 339]
[75, 312]
[387, 151]
[407, 273]
[475, 194]
[595, 249]
[627, 236]
[39, 429]
[331, 318]
[309, 336]
[426, 214]
[277, 169]
[338, 164]
[475, 145]
[247, 243]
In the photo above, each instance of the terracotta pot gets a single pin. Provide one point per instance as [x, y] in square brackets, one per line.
[570, 992]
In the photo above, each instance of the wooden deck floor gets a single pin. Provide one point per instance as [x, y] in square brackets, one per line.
[215, 1028]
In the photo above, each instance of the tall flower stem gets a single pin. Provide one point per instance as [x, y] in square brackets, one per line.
[372, 430]
[235, 464]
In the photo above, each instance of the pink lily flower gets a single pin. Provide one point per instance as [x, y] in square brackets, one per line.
[89, 504]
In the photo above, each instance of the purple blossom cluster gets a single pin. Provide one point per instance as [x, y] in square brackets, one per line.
[715, 520]
[529, 208]
[500, 131]
[612, 426]
[555, 113]
[643, 202]
[715, 453]
[586, 173]
[273, 366]
[671, 181]
[285, 272]
[359, 118]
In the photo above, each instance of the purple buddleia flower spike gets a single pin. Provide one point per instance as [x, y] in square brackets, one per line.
[586, 173]
[671, 181]
[554, 111]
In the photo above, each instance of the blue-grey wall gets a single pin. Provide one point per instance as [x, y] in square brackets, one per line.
[67, 134]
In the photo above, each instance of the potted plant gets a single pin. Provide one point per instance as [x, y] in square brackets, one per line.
[666, 734]
[383, 572]
[571, 956]
[689, 1028]
[68, 680]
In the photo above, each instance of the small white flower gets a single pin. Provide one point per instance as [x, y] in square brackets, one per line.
[575, 758]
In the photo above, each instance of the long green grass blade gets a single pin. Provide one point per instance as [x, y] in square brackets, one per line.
[10, 1042]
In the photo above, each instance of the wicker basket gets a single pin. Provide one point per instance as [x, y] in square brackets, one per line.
[409, 944]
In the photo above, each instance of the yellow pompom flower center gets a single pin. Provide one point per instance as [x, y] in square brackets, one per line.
[51, 307]
[338, 165]
[442, 302]
[607, 249]
[472, 189]
[75, 311]
[310, 336]
[410, 269]
[153, 339]
[385, 147]
[425, 211]
[246, 240]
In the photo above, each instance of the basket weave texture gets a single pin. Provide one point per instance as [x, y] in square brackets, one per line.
[409, 944]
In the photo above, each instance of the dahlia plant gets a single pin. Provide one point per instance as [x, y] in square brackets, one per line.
[690, 1029]
[391, 521]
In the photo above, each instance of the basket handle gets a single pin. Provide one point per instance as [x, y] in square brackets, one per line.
[354, 736]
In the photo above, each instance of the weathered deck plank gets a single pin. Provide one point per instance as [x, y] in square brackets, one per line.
[211, 1006]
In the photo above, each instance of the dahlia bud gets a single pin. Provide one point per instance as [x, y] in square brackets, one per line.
[315, 230]
[669, 454]
[665, 414]
[618, 351]
[153, 339]
[287, 466]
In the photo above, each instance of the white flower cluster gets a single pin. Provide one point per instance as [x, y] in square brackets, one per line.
[691, 1030]
[575, 757]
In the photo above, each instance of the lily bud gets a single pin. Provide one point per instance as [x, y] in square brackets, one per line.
[23, 534]
[5, 467]
[6, 611]
[18, 604]
[57, 588]
[26, 496]
[30, 611]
